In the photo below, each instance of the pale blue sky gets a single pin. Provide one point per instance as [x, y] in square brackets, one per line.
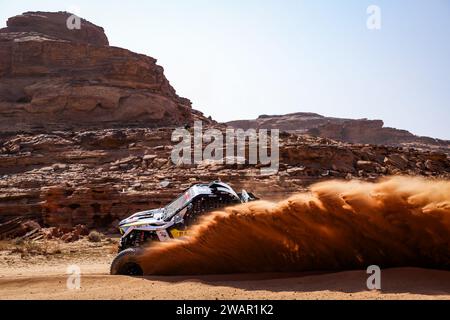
[240, 59]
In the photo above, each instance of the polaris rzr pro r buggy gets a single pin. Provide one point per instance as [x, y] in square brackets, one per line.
[171, 221]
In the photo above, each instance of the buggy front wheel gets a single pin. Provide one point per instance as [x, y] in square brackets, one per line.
[126, 263]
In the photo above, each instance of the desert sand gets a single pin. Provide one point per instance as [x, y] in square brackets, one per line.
[43, 276]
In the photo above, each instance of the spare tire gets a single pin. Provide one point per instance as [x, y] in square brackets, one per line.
[126, 263]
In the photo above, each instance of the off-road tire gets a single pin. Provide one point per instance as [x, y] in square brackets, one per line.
[125, 263]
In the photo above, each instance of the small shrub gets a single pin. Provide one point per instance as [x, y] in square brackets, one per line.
[95, 236]
[27, 248]
[18, 241]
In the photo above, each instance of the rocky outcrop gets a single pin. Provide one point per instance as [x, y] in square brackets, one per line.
[98, 177]
[346, 130]
[85, 135]
[54, 78]
[53, 25]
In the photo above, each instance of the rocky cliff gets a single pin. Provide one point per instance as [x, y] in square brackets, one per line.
[346, 130]
[53, 25]
[97, 177]
[85, 134]
[52, 77]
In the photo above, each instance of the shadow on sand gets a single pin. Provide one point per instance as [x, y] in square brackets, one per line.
[395, 280]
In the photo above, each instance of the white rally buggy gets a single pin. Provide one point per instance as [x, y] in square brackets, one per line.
[171, 221]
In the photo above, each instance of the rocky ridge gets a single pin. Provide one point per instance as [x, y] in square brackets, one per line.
[96, 178]
[86, 135]
[346, 130]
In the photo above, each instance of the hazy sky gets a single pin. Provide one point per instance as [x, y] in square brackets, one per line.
[240, 59]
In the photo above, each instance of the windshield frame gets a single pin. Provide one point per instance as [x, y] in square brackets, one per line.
[186, 196]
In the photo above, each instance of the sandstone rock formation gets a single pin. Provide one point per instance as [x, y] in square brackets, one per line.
[85, 135]
[346, 130]
[98, 177]
[53, 25]
[52, 77]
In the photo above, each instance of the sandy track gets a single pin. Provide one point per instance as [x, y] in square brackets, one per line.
[44, 277]
[401, 283]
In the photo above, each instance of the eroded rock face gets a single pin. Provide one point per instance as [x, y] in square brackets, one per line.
[78, 143]
[98, 177]
[346, 130]
[55, 78]
[53, 24]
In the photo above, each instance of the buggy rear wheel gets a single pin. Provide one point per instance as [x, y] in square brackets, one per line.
[126, 263]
